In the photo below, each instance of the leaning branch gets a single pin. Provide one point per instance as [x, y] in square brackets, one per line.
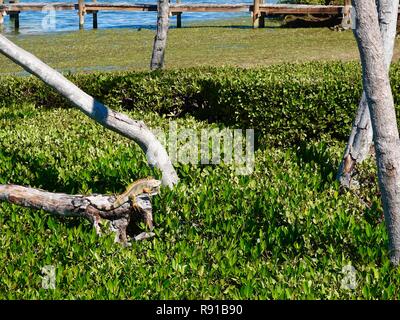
[118, 122]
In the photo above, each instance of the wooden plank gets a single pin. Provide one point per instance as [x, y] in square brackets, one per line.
[37, 6]
[175, 7]
[207, 7]
[93, 6]
[300, 9]
[121, 7]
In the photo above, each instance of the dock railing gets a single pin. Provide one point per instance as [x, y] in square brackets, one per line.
[258, 9]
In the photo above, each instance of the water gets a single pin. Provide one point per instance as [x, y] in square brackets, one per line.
[44, 22]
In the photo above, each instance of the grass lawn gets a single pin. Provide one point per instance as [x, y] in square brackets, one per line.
[230, 42]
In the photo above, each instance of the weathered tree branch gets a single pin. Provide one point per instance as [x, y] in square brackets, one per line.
[160, 39]
[118, 122]
[122, 218]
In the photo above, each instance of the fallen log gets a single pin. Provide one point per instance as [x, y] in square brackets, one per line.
[123, 220]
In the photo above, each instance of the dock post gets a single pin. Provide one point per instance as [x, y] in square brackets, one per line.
[346, 20]
[81, 13]
[179, 17]
[256, 13]
[16, 20]
[16, 24]
[94, 13]
[261, 23]
[14, 15]
[95, 19]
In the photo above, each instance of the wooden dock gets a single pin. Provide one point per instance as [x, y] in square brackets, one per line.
[258, 9]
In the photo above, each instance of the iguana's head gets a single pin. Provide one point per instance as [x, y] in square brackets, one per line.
[152, 186]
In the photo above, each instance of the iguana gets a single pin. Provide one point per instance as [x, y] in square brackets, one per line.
[147, 185]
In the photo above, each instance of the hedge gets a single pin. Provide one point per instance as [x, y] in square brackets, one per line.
[284, 103]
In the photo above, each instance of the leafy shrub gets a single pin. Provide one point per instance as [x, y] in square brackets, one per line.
[284, 232]
[285, 103]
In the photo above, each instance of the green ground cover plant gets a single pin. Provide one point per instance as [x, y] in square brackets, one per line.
[287, 231]
[285, 103]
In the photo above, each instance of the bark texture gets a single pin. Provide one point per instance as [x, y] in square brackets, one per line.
[360, 141]
[383, 117]
[160, 40]
[122, 219]
[118, 122]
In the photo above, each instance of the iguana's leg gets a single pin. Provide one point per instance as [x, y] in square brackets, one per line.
[148, 218]
[132, 198]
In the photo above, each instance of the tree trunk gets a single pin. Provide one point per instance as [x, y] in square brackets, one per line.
[383, 117]
[160, 40]
[118, 122]
[360, 141]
